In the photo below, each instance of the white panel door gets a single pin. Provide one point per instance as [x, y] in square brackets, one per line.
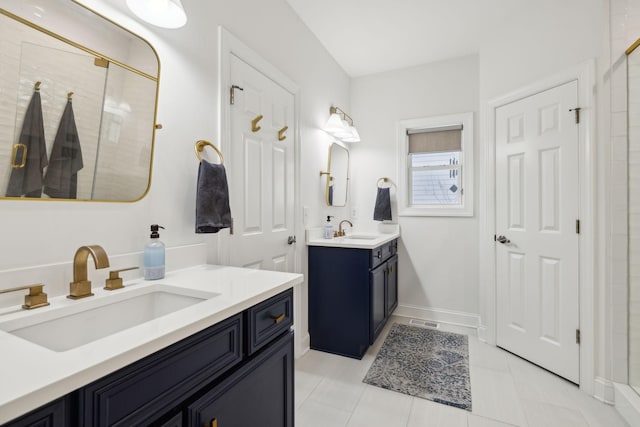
[537, 205]
[261, 171]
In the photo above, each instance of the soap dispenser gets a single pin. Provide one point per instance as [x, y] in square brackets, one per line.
[154, 256]
[328, 228]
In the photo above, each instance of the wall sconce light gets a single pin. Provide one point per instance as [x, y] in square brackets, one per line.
[340, 126]
[161, 13]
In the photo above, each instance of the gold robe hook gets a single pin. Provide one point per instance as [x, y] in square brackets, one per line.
[69, 96]
[281, 135]
[37, 85]
[254, 124]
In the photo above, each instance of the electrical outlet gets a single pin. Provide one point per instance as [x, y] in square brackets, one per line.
[354, 213]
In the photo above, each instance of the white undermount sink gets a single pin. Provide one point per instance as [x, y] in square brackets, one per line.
[361, 237]
[85, 321]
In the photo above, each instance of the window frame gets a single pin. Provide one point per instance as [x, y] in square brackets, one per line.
[465, 209]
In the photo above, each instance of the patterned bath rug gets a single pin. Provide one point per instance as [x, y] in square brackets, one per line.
[424, 363]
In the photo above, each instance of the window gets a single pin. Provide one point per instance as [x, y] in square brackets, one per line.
[437, 166]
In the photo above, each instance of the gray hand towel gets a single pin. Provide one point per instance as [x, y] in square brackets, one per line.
[212, 199]
[61, 180]
[382, 209]
[28, 179]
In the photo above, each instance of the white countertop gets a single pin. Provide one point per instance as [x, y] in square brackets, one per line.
[368, 240]
[32, 375]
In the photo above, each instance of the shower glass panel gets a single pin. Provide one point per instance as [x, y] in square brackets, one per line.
[633, 73]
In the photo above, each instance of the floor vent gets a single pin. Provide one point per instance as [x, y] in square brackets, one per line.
[424, 323]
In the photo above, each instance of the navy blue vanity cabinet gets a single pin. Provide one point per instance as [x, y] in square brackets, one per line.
[239, 370]
[53, 414]
[143, 392]
[260, 393]
[352, 293]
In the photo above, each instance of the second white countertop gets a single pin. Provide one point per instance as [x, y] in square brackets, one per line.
[357, 240]
[32, 375]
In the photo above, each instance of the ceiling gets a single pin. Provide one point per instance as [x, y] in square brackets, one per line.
[371, 36]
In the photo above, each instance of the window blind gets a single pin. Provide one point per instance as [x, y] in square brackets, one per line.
[435, 140]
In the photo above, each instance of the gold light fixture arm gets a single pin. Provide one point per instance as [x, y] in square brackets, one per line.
[345, 116]
[281, 135]
[254, 123]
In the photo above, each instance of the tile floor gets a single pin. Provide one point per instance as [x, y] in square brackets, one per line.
[505, 390]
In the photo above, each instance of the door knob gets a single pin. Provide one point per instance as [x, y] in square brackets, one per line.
[291, 240]
[503, 240]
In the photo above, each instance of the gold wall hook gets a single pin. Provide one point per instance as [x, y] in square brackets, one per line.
[69, 96]
[254, 123]
[37, 85]
[281, 135]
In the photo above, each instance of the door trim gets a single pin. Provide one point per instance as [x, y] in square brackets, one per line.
[584, 74]
[228, 45]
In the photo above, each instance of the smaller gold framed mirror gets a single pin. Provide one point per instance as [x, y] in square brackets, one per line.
[337, 176]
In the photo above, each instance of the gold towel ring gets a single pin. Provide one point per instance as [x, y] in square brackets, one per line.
[200, 146]
[385, 179]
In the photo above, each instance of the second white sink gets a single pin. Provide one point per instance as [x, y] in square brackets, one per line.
[86, 321]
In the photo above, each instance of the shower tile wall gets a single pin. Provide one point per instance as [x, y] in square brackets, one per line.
[634, 221]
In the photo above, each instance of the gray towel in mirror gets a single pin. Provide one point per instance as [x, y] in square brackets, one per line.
[61, 180]
[27, 180]
[382, 209]
[212, 199]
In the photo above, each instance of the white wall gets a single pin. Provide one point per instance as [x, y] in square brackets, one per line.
[37, 233]
[438, 265]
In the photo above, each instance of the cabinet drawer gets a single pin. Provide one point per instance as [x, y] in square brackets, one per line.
[381, 253]
[259, 394]
[267, 320]
[158, 382]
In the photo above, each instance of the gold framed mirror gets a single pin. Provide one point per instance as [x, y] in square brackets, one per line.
[337, 176]
[78, 97]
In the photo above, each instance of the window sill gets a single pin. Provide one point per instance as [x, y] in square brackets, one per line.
[436, 211]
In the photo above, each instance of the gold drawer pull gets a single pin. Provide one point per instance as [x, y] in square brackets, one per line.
[279, 318]
[214, 422]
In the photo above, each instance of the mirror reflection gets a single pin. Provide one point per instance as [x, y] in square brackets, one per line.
[338, 176]
[74, 123]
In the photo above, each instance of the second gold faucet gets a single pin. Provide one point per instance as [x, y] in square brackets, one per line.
[81, 285]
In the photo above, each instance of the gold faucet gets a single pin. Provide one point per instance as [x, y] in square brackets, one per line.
[81, 286]
[341, 232]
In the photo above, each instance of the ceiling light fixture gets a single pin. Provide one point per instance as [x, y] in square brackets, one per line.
[161, 13]
[340, 126]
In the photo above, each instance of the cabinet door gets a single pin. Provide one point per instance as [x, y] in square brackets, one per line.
[378, 315]
[392, 284]
[258, 394]
[54, 414]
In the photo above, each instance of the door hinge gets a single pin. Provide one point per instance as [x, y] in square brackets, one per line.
[577, 336]
[232, 93]
[577, 226]
[577, 110]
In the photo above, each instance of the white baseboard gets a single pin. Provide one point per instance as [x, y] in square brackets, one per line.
[483, 334]
[303, 346]
[604, 390]
[458, 318]
[627, 403]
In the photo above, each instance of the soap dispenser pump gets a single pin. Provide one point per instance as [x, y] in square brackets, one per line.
[328, 228]
[154, 256]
